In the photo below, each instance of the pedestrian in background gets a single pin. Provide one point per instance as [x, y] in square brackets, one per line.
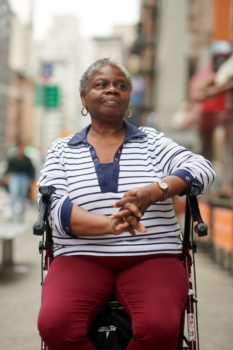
[20, 172]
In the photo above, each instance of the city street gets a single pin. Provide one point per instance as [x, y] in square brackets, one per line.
[117, 104]
[215, 295]
[20, 298]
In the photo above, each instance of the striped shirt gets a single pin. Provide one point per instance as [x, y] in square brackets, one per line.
[145, 156]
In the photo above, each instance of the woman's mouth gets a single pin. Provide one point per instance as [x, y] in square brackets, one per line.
[111, 102]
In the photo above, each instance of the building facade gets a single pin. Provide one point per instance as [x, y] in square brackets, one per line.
[5, 34]
[65, 68]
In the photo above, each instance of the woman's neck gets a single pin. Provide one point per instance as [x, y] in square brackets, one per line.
[106, 130]
[106, 141]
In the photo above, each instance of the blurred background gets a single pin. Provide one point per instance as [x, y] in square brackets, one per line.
[180, 56]
[178, 52]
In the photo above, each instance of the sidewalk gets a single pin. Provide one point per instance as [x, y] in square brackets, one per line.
[215, 305]
[20, 299]
[20, 293]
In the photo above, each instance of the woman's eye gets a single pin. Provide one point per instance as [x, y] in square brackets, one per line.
[121, 85]
[100, 84]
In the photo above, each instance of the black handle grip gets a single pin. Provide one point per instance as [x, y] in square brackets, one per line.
[200, 228]
[46, 192]
[40, 224]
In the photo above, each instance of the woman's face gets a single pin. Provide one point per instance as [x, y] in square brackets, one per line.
[107, 94]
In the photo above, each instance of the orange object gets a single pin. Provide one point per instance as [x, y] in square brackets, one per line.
[223, 228]
[222, 20]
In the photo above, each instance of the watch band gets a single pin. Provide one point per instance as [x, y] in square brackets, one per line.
[163, 185]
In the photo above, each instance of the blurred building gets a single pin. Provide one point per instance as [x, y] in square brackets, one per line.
[181, 50]
[210, 87]
[117, 45]
[128, 34]
[110, 46]
[142, 63]
[63, 56]
[160, 53]
[63, 68]
[17, 75]
[171, 61]
[21, 122]
[5, 34]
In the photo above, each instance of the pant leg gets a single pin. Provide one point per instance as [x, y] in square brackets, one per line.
[154, 293]
[23, 192]
[73, 290]
[14, 192]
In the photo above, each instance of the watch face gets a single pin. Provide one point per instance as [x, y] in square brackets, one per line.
[163, 185]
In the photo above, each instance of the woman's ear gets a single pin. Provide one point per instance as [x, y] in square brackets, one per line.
[82, 96]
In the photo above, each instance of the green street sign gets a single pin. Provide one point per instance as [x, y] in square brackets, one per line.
[47, 96]
[51, 98]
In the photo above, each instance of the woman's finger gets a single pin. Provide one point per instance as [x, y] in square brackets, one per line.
[133, 208]
[136, 224]
[122, 213]
[128, 209]
[125, 199]
[130, 193]
[123, 227]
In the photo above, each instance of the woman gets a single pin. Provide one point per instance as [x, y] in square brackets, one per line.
[114, 228]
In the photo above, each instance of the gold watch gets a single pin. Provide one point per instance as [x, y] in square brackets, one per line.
[163, 185]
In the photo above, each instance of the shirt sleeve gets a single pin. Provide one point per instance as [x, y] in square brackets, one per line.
[53, 174]
[193, 168]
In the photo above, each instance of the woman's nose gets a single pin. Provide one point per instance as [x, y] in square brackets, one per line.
[111, 88]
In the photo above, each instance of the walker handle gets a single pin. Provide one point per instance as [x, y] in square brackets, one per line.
[200, 228]
[40, 225]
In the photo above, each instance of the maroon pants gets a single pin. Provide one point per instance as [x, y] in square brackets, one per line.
[153, 290]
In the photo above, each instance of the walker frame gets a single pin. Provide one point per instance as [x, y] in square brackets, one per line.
[189, 334]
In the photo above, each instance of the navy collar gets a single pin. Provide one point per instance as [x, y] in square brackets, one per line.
[131, 132]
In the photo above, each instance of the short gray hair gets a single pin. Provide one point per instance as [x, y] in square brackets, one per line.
[91, 70]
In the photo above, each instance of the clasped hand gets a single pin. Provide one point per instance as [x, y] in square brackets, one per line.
[132, 207]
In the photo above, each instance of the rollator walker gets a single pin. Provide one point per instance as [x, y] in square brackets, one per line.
[111, 328]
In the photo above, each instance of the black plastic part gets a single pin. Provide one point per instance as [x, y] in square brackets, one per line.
[40, 225]
[200, 228]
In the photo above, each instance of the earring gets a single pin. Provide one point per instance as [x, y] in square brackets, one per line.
[129, 113]
[84, 111]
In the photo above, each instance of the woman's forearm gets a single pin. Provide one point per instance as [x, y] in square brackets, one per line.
[84, 223]
[176, 185]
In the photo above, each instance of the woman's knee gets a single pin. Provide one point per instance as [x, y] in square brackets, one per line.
[56, 327]
[156, 332]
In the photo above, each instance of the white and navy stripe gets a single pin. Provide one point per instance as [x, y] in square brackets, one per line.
[146, 156]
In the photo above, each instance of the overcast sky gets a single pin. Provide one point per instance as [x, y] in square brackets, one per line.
[96, 17]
